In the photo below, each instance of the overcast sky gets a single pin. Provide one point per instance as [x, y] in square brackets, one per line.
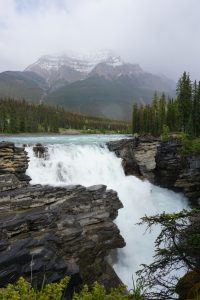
[163, 36]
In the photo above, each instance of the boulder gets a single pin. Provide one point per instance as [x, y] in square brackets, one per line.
[40, 151]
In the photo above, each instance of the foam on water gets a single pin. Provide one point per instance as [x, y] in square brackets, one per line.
[91, 164]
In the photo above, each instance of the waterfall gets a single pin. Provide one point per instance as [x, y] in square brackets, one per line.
[91, 164]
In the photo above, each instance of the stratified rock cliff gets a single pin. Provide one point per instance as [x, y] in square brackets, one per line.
[13, 160]
[47, 231]
[161, 163]
[178, 172]
[138, 156]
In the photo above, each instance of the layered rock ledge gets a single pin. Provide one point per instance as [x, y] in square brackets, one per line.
[48, 231]
[13, 160]
[161, 163]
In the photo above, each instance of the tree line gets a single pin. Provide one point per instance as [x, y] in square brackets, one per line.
[18, 116]
[181, 114]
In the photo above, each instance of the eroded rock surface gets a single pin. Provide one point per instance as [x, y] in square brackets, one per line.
[189, 178]
[178, 172]
[138, 156]
[13, 160]
[43, 228]
[161, 163]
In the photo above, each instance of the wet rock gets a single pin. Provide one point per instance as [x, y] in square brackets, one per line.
[180, 173]
[189, 179]
[13, 160]
[44, 228]
[169, 164]
[10, 182]
[161, 163]
[40, 151]
[145, 155]
[125, 150]
[138, 156]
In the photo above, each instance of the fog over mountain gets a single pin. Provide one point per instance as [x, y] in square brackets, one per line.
[73, 66]
[161, 36]
[99, 84]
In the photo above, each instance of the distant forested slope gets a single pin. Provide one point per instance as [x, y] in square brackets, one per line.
[104, 87]
[22, 116]
[101, 97]
[22, 85]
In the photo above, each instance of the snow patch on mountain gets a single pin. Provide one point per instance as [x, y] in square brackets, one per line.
[83, 63]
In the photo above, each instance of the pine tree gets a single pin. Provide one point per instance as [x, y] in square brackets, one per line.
[21, 116]
[194, 108]
[141, 119]
[184, 98]
[135, 120]
[170, 115]
[198, 111]
[180, 114]
[155, 121]
[161, 113]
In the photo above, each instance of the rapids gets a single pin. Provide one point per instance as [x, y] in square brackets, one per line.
[90, 162]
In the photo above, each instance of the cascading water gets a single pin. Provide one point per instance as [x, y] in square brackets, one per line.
[91, 164]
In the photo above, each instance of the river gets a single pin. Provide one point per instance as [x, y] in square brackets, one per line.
[86, 160]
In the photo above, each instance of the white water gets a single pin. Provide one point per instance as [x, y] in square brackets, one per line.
[91, 164]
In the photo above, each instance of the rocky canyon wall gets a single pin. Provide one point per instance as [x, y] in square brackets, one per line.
[50, 231]
[161, 163]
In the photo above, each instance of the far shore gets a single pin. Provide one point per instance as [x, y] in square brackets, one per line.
[66, 132]
[40, 133]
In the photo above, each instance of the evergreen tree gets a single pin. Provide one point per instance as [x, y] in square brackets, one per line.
[197, 125]
[180, 114]
[135, 120]
[196, 109]
[155, 119]
[141, 119]
[184, 98]
[21, 116]
[170, 117]
[161, 113]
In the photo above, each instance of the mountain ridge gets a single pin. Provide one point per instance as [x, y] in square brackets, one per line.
[101, 84]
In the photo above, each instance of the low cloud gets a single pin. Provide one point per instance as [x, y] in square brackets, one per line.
[161, 35]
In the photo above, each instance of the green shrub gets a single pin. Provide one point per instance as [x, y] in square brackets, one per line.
[98, 293]
[165, 133]
[196, 146]
[23, 290]
[189, 146]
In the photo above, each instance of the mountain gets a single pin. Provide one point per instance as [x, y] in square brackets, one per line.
[23, 85]
[101, 97]
[100, 84]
